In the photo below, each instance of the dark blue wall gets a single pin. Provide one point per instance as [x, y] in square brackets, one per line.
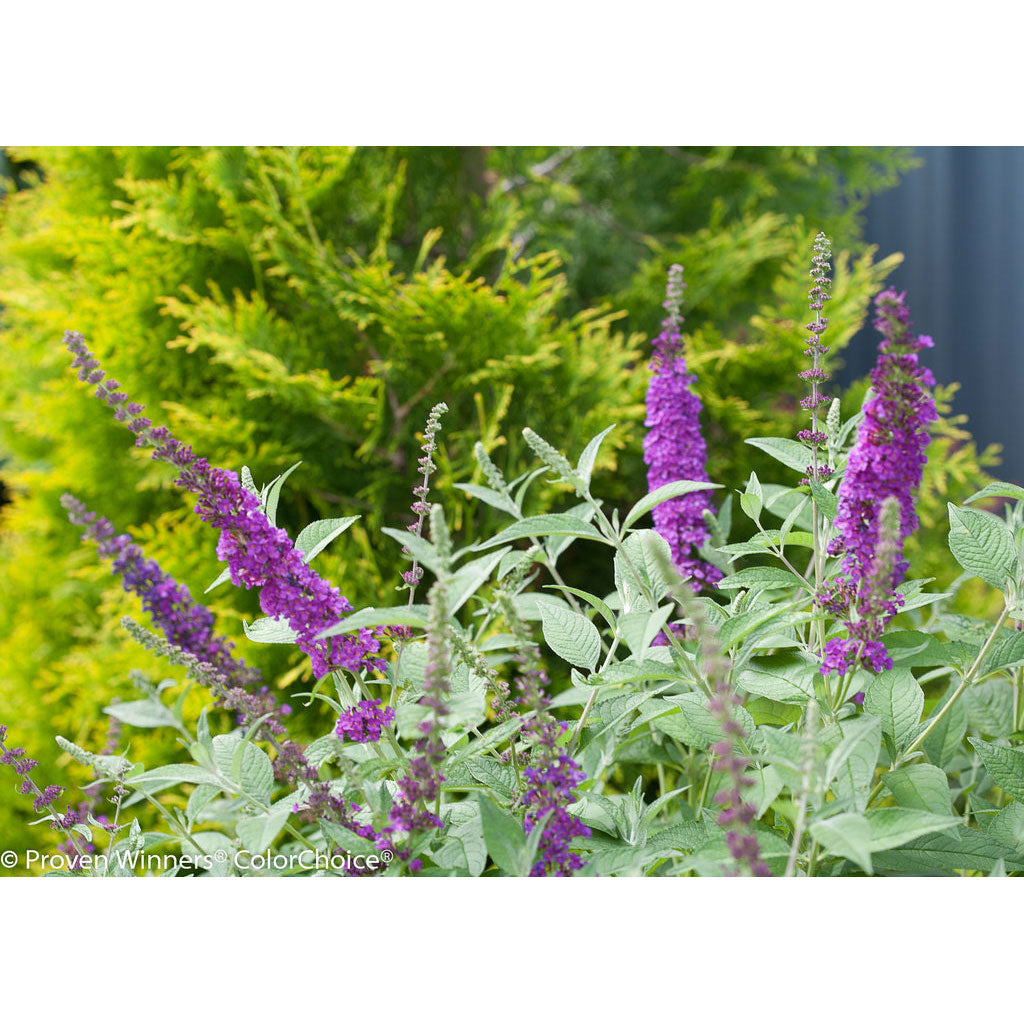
[959, 221]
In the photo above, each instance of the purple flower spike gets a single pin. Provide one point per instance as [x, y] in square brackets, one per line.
[674, 448]
[876, 498]
[258, 553]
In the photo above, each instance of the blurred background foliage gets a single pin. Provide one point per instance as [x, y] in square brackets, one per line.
[275, 305]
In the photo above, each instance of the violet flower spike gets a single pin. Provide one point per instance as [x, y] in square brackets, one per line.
[258, 553]
[179, 618]
[887, 461]
[674, 448]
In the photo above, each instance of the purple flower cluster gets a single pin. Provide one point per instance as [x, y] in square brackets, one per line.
[14, 757]
[887, 462]
[181, 620]
[551, 773]
[363, 722]
[674, 447]
[552, 776]
[324, 804]
[258, 553]
[818, 295]
[875, 603]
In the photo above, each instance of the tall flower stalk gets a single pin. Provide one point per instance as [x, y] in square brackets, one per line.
[887, 461]
[420, 507]
[418, 801]
[182, 620]
[737, 814]
[551, 775]
[817, 439]
[44, 799]
[674, 448]
[258, 553]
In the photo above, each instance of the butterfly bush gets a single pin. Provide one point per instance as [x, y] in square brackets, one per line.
[259, 554]
[182, 620]
[523, 721]
[674, 447]
[887, 462]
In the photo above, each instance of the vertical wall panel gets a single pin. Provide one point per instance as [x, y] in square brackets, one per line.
[959, 221]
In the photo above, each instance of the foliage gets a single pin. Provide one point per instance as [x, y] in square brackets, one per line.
[926, 778]
[277, 305]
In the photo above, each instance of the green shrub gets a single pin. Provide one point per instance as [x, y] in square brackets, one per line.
[276, 305]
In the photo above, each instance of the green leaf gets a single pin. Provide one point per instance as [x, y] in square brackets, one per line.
[491, 497]
[573, 637]
[665, 493]
[894, 826]
[503, 835]
[490, 740]
[347, 840]
[853, 760]
[997, 489]
[555, 525]
[650, 558]
[762, 577]
[592, 599]
[366, 618]
[944, 740]
[258, 832]
[740, 626]
[790, 453]
[1007, 651]
[269, 631]
[272, 493]
[638, 629]
[499, 777]
[827, 502]
[959, 849]
[922, 787]
[786, 678]
[983, 545]
[315, 537]
[1008, 826]
[990, 708]
[143, 714]
[463, 584]
[171, 773]
[695, 725]
[225, 575]
[585, 467]
[1004, 764]
[464, 839]
[621, 673]
[419, 548]
[895, 698]
[845, 835]
[767, 784]
[751, 504]
[245, 764]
